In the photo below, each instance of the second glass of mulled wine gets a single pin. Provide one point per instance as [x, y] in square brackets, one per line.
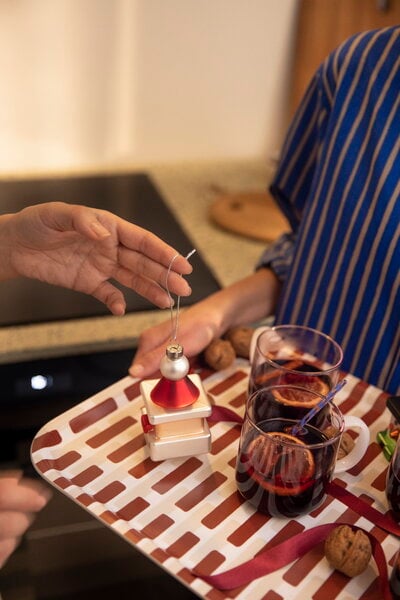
[294, 355]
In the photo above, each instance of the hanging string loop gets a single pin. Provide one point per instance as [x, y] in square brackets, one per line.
[175, 321]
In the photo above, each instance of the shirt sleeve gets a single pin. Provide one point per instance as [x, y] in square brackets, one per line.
[279, 255]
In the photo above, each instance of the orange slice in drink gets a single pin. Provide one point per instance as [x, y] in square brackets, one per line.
[296, 397]
[281, 463]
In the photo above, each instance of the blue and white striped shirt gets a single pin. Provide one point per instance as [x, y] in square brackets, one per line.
[338, 183]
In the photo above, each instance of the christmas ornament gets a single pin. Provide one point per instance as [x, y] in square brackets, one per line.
[175, 406]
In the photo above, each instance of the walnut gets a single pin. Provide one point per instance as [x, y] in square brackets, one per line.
[219, 354]
[330, 431]
[346, 445]
[348, 551]
[240, 338]
[346, 442]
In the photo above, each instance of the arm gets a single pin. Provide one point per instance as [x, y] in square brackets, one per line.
[243, 302]
[82, 248]
[256, 296]
[79, 248]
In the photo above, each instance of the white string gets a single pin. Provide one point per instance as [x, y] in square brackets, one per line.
[174, 326]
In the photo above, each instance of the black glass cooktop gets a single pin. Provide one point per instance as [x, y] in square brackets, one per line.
[131, 196]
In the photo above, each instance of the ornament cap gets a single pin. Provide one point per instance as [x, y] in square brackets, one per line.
[174, 351]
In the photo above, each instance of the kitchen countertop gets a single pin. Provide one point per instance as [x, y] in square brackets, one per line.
[188, 189]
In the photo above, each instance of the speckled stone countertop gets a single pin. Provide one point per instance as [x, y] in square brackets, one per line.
[189, 189]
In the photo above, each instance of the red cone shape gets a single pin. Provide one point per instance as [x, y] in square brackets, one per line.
[174, 394]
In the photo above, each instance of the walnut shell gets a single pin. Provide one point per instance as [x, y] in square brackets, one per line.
[219, 354]
[240, 338]
[346, 441]
[346, 445]
[348, 551]
[330, 431]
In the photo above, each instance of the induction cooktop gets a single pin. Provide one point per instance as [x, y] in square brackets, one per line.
[134, 197]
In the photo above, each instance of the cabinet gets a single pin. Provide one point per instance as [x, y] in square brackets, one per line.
[324, 24]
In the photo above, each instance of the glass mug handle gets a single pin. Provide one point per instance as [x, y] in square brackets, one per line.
[360, 447]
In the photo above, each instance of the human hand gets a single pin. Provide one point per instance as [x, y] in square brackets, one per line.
[198, 326]
[241, 303]
[20, 499]
[82, 248]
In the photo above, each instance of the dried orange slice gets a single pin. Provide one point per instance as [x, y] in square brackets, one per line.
[296, 397]
[286, 468]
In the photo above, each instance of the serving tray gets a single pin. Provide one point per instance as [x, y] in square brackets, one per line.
[185, 513]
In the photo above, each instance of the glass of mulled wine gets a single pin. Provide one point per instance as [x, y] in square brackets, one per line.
[294, 355]
[285, 473]
[393, 483]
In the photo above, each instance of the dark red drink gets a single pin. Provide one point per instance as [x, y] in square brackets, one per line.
[292, 372]
[289, 402]
[281, 474]
[395, 578]
[393, 486]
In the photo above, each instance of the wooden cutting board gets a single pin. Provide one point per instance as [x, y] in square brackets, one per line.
[251, 214]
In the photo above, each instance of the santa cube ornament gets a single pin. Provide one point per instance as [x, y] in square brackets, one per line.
[175, 409]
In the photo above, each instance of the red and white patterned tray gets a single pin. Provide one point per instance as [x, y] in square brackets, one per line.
[185, 514]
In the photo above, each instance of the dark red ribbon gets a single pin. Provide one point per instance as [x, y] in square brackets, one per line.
[362, 508]
[284, 553]
[221, 413]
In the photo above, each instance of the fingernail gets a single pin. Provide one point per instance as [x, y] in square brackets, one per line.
[47, 494]
[136, 370]
[99, 229]
[43, 497]
[118, 309]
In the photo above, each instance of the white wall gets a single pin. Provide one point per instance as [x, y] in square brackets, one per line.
[92, 83]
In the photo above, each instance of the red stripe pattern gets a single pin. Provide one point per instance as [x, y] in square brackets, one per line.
[185, 513]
